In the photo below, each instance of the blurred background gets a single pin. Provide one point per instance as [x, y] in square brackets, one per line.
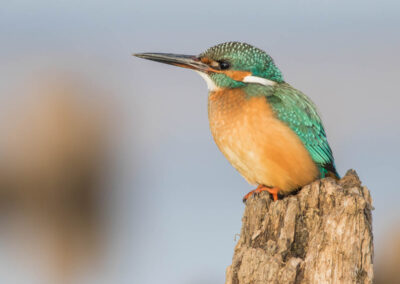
[108, 171]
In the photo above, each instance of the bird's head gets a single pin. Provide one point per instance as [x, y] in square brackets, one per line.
[226, 65]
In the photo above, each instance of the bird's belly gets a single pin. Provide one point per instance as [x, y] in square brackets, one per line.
[261, 147]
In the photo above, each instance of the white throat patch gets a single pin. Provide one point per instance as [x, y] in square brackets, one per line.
[258, 80]
[210, 83]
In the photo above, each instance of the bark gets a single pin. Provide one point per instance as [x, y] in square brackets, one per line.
[322, 234]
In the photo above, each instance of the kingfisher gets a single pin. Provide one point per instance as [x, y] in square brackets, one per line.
[268, 130]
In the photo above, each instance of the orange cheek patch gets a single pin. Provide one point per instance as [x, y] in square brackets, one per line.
[237, 75]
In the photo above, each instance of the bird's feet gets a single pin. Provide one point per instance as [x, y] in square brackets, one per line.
[274, 191]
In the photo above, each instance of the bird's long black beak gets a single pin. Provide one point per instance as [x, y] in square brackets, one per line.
[186, 61]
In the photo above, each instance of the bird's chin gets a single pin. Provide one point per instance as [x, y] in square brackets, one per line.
[210, 83]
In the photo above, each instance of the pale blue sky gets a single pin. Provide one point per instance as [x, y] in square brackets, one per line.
[177, 202]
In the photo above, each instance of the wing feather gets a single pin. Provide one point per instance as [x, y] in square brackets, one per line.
[300, 114]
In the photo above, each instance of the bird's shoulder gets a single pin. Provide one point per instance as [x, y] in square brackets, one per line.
[296, 110]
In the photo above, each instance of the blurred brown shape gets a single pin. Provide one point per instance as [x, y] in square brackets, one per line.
[53, 155]
[388, 261]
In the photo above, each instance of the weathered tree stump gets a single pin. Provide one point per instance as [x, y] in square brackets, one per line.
[323, 234]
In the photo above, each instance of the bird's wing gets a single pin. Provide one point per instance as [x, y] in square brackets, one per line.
[299, 113]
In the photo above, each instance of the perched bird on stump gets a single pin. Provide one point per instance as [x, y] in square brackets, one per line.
[269, 131]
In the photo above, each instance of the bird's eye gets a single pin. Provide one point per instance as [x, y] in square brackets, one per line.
[223, 65]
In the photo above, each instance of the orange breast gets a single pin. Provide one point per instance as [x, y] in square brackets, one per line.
[261, 147]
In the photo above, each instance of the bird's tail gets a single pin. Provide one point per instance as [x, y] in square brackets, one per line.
[329, 171]
[333, 175]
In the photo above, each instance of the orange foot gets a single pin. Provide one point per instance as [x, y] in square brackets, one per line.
[260, 188]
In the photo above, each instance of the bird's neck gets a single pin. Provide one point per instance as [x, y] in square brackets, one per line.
[247, 91]
[257, 90]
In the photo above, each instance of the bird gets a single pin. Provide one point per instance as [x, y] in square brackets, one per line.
[270, 132]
